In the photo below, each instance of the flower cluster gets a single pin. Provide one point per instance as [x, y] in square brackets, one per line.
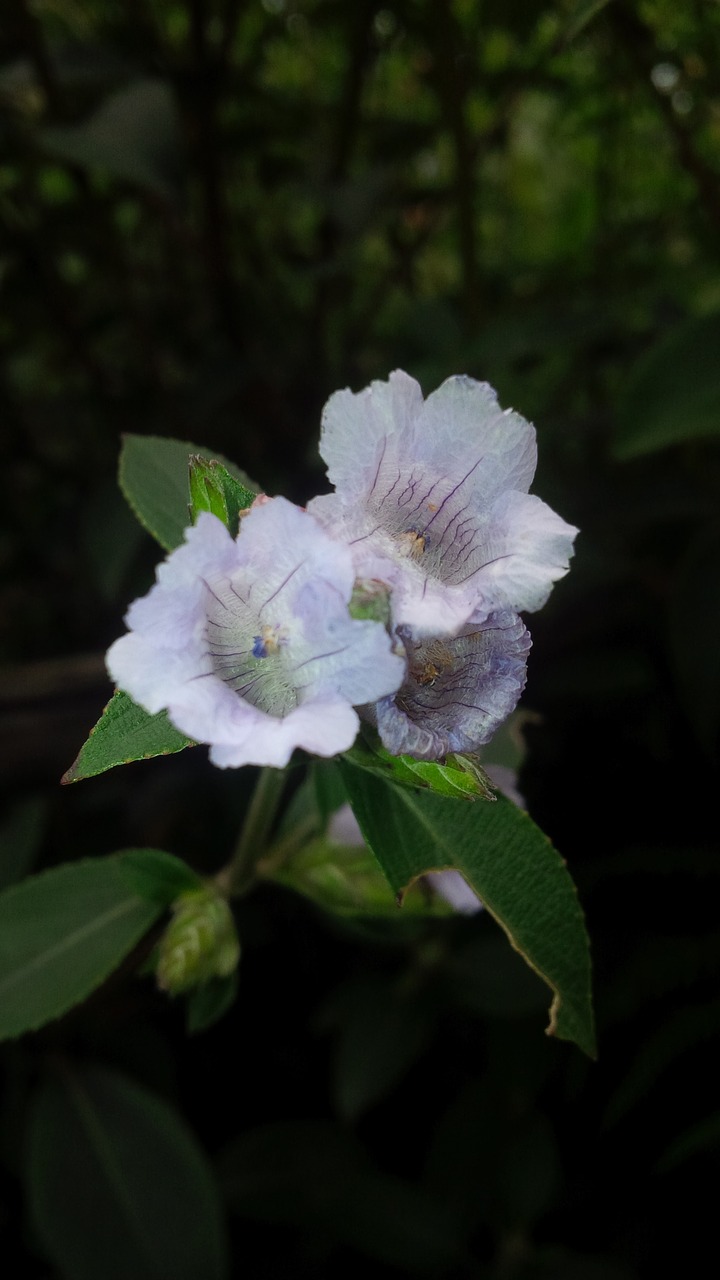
[397, 596]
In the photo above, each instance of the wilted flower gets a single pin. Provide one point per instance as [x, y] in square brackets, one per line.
[432, 497]
[457, 691]
[248, 644]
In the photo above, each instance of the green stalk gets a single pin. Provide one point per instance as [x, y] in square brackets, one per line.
[239, 874]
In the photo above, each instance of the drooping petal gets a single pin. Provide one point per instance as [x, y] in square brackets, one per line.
[248, 643]
[458, 690]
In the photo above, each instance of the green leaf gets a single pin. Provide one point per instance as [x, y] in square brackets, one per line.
[158, 876]
[135, 134]
[460, 777]
[329, 787]
[61, 934]
[125, 733]
[153, 475]
[118, 1186]
[673, 394]
[509, 863]
[213, 488]
[210, 1002]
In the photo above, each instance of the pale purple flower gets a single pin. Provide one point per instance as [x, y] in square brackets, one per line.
[432, 496]
[454, 889]
[248, 644]
[458, 689]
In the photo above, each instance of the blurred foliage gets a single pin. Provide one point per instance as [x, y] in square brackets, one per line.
[213, 214]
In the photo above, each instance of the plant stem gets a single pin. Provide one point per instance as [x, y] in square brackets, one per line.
[239, 873]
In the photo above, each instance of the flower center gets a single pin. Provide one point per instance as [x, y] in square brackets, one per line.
[247, 651]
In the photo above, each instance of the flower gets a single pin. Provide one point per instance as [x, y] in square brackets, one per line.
[457, 690]
[248, 644]
[432, 497]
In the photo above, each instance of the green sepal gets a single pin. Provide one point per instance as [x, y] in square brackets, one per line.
[153, 476]
[125, 733]
[370, 600]
[458, 776]
[214, 489]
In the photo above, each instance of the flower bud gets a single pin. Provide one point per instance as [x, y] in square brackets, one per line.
[199, 943]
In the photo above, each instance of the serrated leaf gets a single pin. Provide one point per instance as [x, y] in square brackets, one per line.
[153, 474]
[61, 934]
[125, 733]
[507, 861]
[673, 393]
[213, 488]
[118, 1186]
[459, 777]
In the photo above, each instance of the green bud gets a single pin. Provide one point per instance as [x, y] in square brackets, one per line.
[370, 599]
[199, 943]
[213, 488]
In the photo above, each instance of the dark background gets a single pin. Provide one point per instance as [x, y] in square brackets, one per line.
[213, 214]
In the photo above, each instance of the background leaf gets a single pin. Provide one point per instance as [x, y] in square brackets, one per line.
[509, 863]
[125, 732]
[118, 1185]
[673, 393]
[153, 476]
[315, 1176]
[61, 934]
[20, 837]
[134, 134]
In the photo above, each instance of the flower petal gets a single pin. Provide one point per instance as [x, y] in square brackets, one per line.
[458, 690]
[528, 547]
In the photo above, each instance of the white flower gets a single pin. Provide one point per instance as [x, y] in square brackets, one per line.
[432, 497]
[248, 643]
